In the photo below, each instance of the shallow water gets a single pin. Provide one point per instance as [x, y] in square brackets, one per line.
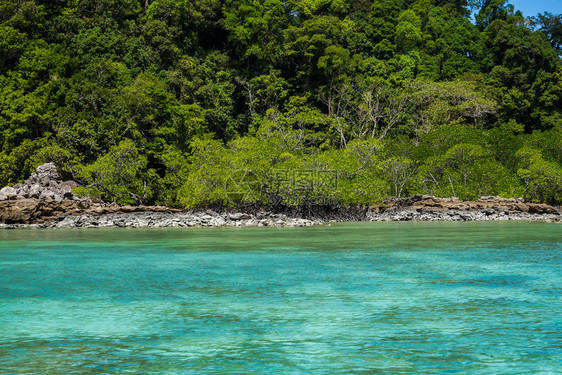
[364, 298]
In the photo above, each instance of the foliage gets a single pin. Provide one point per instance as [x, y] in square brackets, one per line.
[197, 103]
[117, 176]
[542, 178]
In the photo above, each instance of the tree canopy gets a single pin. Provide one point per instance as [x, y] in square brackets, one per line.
[189, 103]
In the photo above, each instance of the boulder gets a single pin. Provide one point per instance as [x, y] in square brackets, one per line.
[42, 197]
[48, 171]
[35, 190]
[71, 184]
[49, 196]
[239, 216]
[18, 211]
[9, 192]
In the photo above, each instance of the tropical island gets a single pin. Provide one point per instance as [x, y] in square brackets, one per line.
[292, 128]
[305, 108]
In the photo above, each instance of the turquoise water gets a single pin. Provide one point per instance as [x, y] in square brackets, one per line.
[365, 298]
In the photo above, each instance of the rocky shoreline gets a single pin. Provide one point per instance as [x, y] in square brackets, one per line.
[153, 219]
[429, 208]
[44, 201]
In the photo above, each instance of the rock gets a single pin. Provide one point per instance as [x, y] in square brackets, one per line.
[35, 191]
[70, 184]
[48, 171]
[67, 191]
[446, 209]
[45, 186]
[18, 211]
[31, 179]
[541, 208]
[22, 194]
[47, 195]
[8, 193]
[219, 222]
[43, 200]
[239, 216]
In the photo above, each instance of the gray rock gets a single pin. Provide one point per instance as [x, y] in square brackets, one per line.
[9, 192]
[219, 222]
[70, 184]
[35, 191]
[47, 195]
[66, 191]
[48, 171]
[239, 216]
[43, 184]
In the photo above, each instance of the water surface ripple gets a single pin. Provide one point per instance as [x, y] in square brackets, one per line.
[364, 298]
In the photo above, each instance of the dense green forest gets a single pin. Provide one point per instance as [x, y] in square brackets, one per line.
[206, 103]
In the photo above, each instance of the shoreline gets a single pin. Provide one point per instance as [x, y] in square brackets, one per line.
[184, 219]
[44, 201]
[150, 220]
[40, 214]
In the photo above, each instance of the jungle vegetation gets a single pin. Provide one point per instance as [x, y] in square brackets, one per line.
[206, 103]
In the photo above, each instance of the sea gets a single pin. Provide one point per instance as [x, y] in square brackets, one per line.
[344, 298]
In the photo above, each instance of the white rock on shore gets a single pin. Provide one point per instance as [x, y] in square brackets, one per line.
[484, 215]
[174, 220]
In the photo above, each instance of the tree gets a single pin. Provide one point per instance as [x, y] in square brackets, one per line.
[199, 89]
[12, 44]
[543, 179]
[439, 104]
[370, 110]
[399, 171]
[256, 29]
[466, 171]
[117, 176]
[491, 10]
[298, 129]
[209, 83]
[551, 25]
[265, 92]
